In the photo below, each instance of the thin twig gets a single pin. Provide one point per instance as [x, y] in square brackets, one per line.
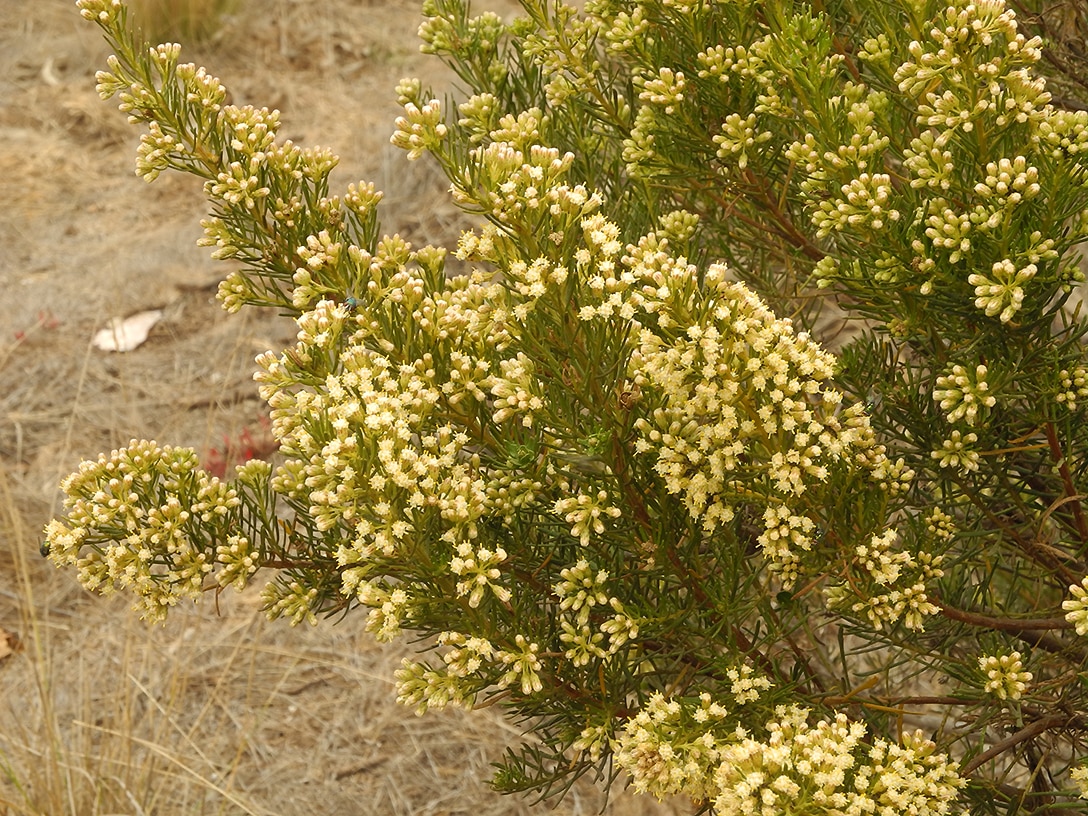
[1001, 624]
[1028, 732]
[1067, 481]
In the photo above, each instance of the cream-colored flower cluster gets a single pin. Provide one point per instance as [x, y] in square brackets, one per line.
[738, 137]
[732, 382]
[966, 27]
[558, 464]
[940, 524]
[897, 580]
[665, 89]
[863, 203]
[962, 394]
[1001, 292]
[292, 600]
[581, 590]
[420, 129]
[103, 12]
[565, 52]
[1065, 133]
[1076, 608]
[1005, 676]
[586, 513]
[957, 452]
[472, 663]
[140, 519]
[1073, 386]
[743, 415]
[797, 768]
[972, 68]
[424, 688]
[670, 746]
[1079, 777]
[457, 682]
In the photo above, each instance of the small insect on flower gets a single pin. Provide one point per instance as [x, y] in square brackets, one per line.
[44, 549]
[351, 304]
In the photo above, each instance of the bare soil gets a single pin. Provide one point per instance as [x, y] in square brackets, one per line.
[219, 711]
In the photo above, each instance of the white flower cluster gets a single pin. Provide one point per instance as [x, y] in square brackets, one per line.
[1073, 386]
[961, 394]
[863, 203]
[947, 229]
[829, 767]
[133, 522]
[738, 137]
[884, 567]
[963, 28]
[1079, 777]
[1009, 181]
[970, 69]
[930, 161]
[1005, 675]
[522, 666]
[473, 663]
[470, 664]
[743, 414]
[478, 571]
[664, 754]
[665, 97]
[745, 686]
[100, 11]
[1001, 292]
[1076, 608]
[388, 605]
[292, 600]
[1065, 133]
[566, 53]
[516, 391]
[421, 129]
[362, 458]
[581, 590]
[665, 89]
[515, 186]
[586, 513]
[425, 688]
[956, 452]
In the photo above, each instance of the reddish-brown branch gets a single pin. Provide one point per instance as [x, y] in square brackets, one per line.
[784, 222]
[1028, 732]
[782, 225]
[1067, 481]
[1001, 624]
[923, 700]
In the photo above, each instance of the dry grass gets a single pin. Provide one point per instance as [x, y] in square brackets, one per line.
[180, 20]
[218, 712]
[223, 713]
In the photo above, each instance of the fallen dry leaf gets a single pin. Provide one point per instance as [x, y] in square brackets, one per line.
[126, 333]
[9, 643]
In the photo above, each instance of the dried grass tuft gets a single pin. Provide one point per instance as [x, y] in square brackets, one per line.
[181, 20]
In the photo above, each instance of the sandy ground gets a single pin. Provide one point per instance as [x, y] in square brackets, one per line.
[219, 711]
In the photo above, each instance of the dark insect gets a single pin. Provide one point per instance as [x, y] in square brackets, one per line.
[44, 549]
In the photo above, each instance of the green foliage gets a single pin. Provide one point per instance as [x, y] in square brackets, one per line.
[668, 531]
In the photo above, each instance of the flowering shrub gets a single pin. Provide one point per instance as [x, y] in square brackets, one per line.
[661, 524]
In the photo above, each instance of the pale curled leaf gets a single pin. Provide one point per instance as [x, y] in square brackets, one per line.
[126, 333]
